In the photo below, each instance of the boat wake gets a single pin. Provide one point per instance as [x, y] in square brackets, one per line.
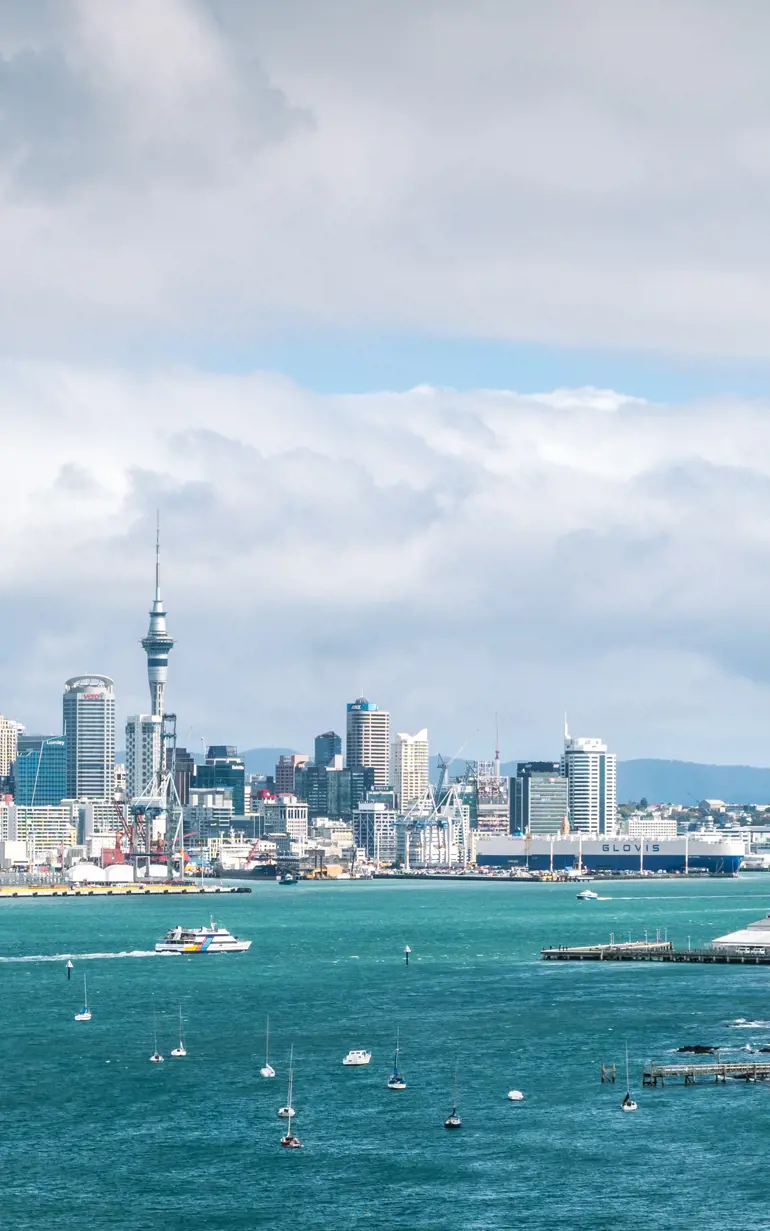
[741, 1023]
[80, 957]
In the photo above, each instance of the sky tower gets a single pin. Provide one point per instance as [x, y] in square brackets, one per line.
[157, 643]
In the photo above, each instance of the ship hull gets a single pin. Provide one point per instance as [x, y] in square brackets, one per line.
[721, 857]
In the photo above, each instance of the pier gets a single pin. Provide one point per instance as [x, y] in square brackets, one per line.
[651, 951]
[742, 1070]
[118, 891]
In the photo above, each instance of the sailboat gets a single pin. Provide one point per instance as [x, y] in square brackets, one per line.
[156, 1057]
[181, 1050]
[453, 1120]
[289, 1141]
[267, 1069]
[628, 1103]
[85, 1014]
[396, 1081]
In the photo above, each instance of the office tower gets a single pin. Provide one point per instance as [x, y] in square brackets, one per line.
[89, 733]
[157, 644]
[410, 767]
[592, 773]
[9, 736]
[184, 771]
[286, 769]
[368, 739]
[327, 747]
[143, 753]
[540, 802]
[41, 772]
[223, 770]
[331, 790]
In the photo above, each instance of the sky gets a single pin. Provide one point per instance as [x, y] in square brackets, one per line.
[437, 332]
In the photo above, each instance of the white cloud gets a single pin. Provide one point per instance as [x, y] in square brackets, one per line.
[199, 173]
[452, 553]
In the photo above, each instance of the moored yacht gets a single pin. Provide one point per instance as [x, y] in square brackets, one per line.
[212, 939]
[355, 1058]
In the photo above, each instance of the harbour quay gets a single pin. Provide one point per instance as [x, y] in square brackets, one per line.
[749, 946]
[8, 892]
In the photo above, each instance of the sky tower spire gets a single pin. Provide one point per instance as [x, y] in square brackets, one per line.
[158, 643]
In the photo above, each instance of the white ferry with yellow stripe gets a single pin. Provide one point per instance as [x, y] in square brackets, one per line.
[201, 940]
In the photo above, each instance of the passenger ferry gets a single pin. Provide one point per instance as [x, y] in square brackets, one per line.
[201, 940]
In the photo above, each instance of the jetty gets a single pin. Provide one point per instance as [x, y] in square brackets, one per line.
[690, 1074]
[118, 891]
[651, 951]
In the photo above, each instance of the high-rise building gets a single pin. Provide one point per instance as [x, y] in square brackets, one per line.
[592, 774]
[143, 752]
[184, 771]
[157, 644]
[223, 770]
[327, 747]
[331, 790]
[89, 734]
[9, 736]
[368, 739]
[410, 766]
[540, 798]
[286, 769]
[41, 772]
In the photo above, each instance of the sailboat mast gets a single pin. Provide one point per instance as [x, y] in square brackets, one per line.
[267, 1041]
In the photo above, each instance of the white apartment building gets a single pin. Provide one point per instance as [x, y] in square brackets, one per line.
[410, 767]
[651, 826]
[143, 752]
[9, 736]
[43, 830]
[368, 740]
[592, 791]
[285, 814]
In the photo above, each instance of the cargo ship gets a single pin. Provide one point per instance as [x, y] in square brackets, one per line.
[713, 854]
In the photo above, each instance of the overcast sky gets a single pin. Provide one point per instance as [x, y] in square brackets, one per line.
[437, 330]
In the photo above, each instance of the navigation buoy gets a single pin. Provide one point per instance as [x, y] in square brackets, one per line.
[69, 971]
[407, 951]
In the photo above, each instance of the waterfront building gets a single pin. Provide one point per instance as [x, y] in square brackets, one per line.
[368, 739]
[410, 766]
[286, 815]
[46, 832]
[592, 774]
[9, 739]
[143, 753]
[651, 825]
[223, 769]
[286, 769]
[492, 805]
[375, 829]
[540, 798]
[89, 734]
[41, 772]
[327, 747]
[157, 645]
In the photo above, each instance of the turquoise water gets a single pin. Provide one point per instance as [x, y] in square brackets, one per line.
[94, 1136]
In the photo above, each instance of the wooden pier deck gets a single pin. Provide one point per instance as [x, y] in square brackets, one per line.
[652, 951]
[742, 1070]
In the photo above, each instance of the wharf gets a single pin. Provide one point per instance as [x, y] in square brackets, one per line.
[118, 891]
[652, 951]
[742, 1070]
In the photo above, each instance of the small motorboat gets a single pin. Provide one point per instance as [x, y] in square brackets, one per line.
[289, 1141]
[287, 878]
[267, 1069]
[587, 895]
[355, 1059]
[85, 1013]
[515, 1096]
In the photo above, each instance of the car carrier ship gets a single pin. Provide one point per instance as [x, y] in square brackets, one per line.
[713, 854]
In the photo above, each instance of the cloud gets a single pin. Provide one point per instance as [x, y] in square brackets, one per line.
[450, 553]
[192, 176]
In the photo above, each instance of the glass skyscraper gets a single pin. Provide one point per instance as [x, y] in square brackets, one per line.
[89, 733]
[41, 773]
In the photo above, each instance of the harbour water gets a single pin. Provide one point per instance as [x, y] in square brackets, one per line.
[95, 1137]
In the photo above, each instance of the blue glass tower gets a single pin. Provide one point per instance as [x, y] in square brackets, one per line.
[41, 774]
